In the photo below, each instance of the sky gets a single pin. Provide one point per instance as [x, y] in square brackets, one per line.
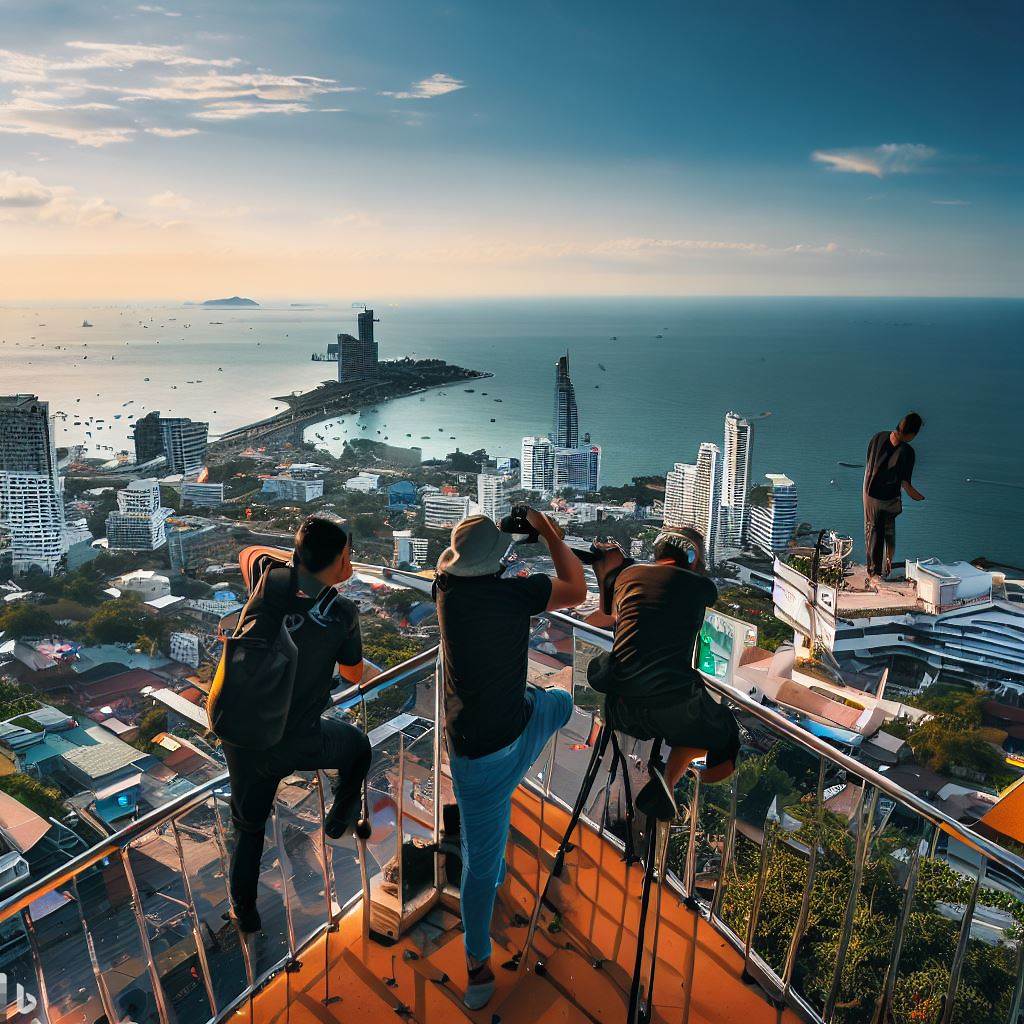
[329, 149]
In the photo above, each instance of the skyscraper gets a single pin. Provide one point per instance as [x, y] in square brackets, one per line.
[693, 496]
[138, 523]
[772, 524]
[565, 432]
[578, 469]
[739, 438]
[180, 440]
[31, 497]
[357, 357]
[490, 496]
[537, 465]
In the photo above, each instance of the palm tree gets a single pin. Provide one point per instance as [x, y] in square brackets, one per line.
[147, 645]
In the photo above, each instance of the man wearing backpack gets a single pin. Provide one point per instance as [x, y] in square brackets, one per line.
[325, 629]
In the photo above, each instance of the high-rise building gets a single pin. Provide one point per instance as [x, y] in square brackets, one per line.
[578, 469]
[538, 465]
[31, 496]
[357, 357]
[184, 444]
[180, 440]
[772, 524]
[565, 432]
[6, 554]
[443, 511]
[138, 523]
[693, 496]
[409, 549]
[736, 459]
[149, 438]
[491, 497]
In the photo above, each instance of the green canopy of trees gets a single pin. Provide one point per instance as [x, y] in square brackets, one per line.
[21, 620]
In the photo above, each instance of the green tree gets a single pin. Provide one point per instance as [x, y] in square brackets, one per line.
[46, 801]
[119, 621]
[22, 620]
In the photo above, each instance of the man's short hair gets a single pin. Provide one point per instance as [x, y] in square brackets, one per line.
[910, 424]
[685, 546]
[318, 542]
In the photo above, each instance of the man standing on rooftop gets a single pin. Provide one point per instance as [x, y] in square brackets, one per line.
[887, 473]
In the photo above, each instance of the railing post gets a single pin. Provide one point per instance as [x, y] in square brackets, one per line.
[767, 842]
[147, 950]
[963, 941]
[727, 844]
[37, 963]
[196, 927]
[689, 882]
[222, 850]
[400, 831]
[867, 819]
[325, 864]
[281, 863]
[882, 1007]
[101, 985]
[812, 866]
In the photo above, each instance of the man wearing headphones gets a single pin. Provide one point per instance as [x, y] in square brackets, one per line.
[652, 688]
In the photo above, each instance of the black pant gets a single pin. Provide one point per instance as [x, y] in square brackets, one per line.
[879, 535]
[256, 774]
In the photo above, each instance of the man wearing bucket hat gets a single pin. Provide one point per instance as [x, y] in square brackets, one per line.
[496, 725]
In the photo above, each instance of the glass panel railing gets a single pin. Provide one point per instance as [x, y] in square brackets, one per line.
[114, 920]
[156, 868]
[205, 873]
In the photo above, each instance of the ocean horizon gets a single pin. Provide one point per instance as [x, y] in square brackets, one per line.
[817, 376]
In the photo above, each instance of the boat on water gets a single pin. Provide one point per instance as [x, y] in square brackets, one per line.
[85, 323]
[469, 391]
[852, 465]
[493, 420]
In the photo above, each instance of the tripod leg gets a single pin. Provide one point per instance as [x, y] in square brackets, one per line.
[661, 856]
[632, 1016]
[627, 788]
[589, 777]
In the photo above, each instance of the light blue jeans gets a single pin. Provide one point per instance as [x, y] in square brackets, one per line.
[483, 789]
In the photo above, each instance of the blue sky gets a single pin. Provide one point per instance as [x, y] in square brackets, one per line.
[325, 149]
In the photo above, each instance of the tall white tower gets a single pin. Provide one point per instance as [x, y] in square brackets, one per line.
[537, 465]
[692, 496]
[490, 496]
[739, 438]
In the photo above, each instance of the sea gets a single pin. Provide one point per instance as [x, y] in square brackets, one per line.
[653, 379]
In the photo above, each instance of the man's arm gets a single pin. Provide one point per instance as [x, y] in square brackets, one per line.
[912, 491]
[569, 588]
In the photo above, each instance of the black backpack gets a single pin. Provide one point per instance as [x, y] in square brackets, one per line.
[251, 693]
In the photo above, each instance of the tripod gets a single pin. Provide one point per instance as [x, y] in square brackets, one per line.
[654, 862]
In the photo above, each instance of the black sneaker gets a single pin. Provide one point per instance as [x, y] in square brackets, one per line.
[656, 800]
[344, 812]
[247, 919]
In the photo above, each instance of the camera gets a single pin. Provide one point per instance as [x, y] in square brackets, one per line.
[517, 523]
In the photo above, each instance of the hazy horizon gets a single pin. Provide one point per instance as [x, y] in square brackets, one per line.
[154, 152]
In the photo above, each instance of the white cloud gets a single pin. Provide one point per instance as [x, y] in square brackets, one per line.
[172, 133]
[214, 86]
[154, 9]
[127, 55]
[169, 201]
[19, 192]
[28, 200]
[429, 88]
[950, 202]
[889, 158]
[237, 111]
[15, 121]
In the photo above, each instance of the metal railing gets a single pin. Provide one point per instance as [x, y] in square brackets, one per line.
[849, 899]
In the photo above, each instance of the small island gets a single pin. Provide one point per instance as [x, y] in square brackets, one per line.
[235, 300]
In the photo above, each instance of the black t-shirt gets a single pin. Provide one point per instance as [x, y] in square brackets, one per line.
[660, 611]
[887, 467]
[485, 628]
[325, 628]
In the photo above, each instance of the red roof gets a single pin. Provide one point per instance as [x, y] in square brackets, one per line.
[124, 684]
